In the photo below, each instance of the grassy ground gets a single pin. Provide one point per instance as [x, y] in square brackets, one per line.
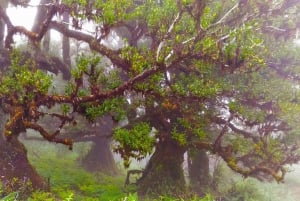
[70, 182]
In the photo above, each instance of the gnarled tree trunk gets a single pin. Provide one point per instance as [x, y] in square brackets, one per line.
[198, 163]
[163, 174]
[16, 173]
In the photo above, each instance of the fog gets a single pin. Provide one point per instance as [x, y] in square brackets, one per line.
[193, 114]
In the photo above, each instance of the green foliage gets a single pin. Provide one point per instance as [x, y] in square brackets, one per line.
[84, 64]
[159, 16]
[112, 12]
[115, 12]
[250, 44]
[240, 144]
[65, 109]
[23, 80]
[216, 70]
[208, 197]
[130, 197]
[24, 189]
[210, 14]
[187, 84]
[136, 142]
[96, 72]
[68, 180]
[108, 80]
[41, 196]
[139, 63]
[69, 198]
[109, 106]
[10, 197]
[179, 137]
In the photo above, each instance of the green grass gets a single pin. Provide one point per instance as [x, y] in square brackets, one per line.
[70, 182]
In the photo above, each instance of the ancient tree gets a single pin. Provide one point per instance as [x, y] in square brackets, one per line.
[189, 75]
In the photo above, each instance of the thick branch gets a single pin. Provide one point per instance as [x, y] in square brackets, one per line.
[244, 133]
[48, 136]
[93, 43]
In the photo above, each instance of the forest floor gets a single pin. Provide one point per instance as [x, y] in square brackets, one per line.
[68, 179]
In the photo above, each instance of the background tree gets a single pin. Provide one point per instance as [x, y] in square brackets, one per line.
[66, 42]
[100, 157]
[4, 5]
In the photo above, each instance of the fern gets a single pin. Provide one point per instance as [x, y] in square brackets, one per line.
[70, 197]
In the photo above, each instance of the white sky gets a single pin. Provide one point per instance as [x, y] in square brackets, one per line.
[23, 16]
[20, 16]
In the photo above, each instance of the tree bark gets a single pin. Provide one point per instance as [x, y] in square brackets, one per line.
[40, 16]
[66, 42]
[100, 157]
[4, 5]
[46, 42]
[198, 163]
[16, 173]
[2, 30]
[163, 174]
[55, 62]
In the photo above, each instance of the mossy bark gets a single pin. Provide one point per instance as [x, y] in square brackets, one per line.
[163, 174]
[16, 173]
[200, 179]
